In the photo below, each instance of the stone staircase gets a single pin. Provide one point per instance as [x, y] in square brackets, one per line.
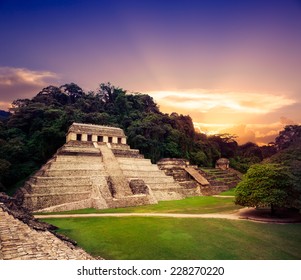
[195, 174]
[196, 181]
[176, 168]
[116, 177]
[220, 180]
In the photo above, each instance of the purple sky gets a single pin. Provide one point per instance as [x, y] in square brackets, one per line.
[234, 66]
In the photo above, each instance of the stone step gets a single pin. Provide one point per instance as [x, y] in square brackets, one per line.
[120, 146]
[142, 173]
[167, 194]
[224, 180]
[146, 168]
[40, 201]
[132, 151]
[221, 188]
[78, 158]
[69, 206]
[188, 184]
[60, 189]
[222, 176]
[132, 200]
[127, 153]
[230, 179]
[79, 149]
[134, 161]
[164, 186]
[79, 144]
[216, 174]
[212, 170]
[81, 153]
[59, 181]
[76, 172]
[58, 165]
[218, 184]
[232, 185]
[154, 180]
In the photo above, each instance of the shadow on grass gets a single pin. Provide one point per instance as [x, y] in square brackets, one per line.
[265, 215]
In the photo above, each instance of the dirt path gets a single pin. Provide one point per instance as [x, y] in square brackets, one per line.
[169, 215]
[230, 216]
[242, 214]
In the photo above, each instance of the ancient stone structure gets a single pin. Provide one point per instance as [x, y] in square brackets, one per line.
[221, 180]
[24, 238]
[95, 133]
[186, 175]
[97, 169]
[199, 181]
[222, 163]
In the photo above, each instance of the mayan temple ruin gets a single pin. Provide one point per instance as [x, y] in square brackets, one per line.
[96, 168]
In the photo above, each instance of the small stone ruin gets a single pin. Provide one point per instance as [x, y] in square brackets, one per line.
[222, 163]
[200, 181]
[188, 176]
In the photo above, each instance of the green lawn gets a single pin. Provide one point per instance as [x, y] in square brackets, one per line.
[229, 192]
[177, 238]
[191, 205]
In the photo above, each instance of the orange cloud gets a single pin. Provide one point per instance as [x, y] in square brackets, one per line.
[204, 101]
[257, 133]
[235, 112]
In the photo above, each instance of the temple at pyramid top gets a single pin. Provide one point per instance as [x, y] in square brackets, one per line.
[95, 133]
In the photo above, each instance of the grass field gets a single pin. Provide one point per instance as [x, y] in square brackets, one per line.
[177, 238]
[159, 238]
[191, 205]
[229, 192]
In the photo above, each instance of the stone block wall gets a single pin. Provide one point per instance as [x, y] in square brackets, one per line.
[138, 186]
[32, 240]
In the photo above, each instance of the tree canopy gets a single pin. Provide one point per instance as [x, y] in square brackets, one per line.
[267, 185]
[277, 181]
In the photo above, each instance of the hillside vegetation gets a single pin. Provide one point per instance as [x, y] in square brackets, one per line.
[30, 136]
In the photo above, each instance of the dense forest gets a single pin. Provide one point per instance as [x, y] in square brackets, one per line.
[275, 182]
[37, 128]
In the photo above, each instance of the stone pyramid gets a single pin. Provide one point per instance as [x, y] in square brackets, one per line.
[97, 169]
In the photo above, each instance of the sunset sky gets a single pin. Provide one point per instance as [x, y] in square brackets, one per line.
[233, 66]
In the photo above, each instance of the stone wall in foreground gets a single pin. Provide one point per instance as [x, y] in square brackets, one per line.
[24, 238]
